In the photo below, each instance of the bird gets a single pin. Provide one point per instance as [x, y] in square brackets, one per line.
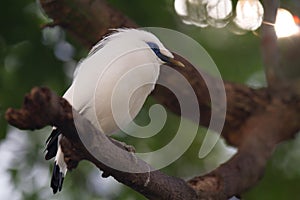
[130, 57]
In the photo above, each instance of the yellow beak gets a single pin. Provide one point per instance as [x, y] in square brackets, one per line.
[175, 62]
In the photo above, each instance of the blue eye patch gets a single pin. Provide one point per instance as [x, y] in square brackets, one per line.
[154, 47]
[156, 50]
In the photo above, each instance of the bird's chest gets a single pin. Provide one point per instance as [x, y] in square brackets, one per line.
[121, 93]
[110, 91]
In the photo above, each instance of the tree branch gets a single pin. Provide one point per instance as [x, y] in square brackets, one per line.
[42, 107]
[86, 20]
[261, 134]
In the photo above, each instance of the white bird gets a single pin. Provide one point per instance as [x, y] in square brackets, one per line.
[112, 82]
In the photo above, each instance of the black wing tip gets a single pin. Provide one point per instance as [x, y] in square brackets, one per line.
[57, 179]
[51, 152]
[52, 144]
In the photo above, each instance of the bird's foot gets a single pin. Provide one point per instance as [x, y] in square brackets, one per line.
[129, 148]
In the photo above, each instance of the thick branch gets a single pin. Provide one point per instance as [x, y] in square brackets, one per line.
[265, 130]
[242, 101]
[42, 107]
[87, 20]
[269, 127]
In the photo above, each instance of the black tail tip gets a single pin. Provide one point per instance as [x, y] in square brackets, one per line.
[57, 179]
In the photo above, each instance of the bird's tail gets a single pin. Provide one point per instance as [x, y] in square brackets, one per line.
[59, 171]
[60, 168]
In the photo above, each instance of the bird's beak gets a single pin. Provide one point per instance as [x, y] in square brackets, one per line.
[175, 62]
[168, 58]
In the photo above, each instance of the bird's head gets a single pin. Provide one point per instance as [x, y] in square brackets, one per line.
[164, 56]
[162, 53]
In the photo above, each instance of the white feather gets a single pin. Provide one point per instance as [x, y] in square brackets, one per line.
[59, 159]
[123, 53]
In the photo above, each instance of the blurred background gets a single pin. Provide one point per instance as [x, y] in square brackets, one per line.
[31, 56]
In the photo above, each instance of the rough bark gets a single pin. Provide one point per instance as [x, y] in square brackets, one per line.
[42, 107]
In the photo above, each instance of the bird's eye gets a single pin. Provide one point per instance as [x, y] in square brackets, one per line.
[156, 50]
[154, 47]
[162, 57]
